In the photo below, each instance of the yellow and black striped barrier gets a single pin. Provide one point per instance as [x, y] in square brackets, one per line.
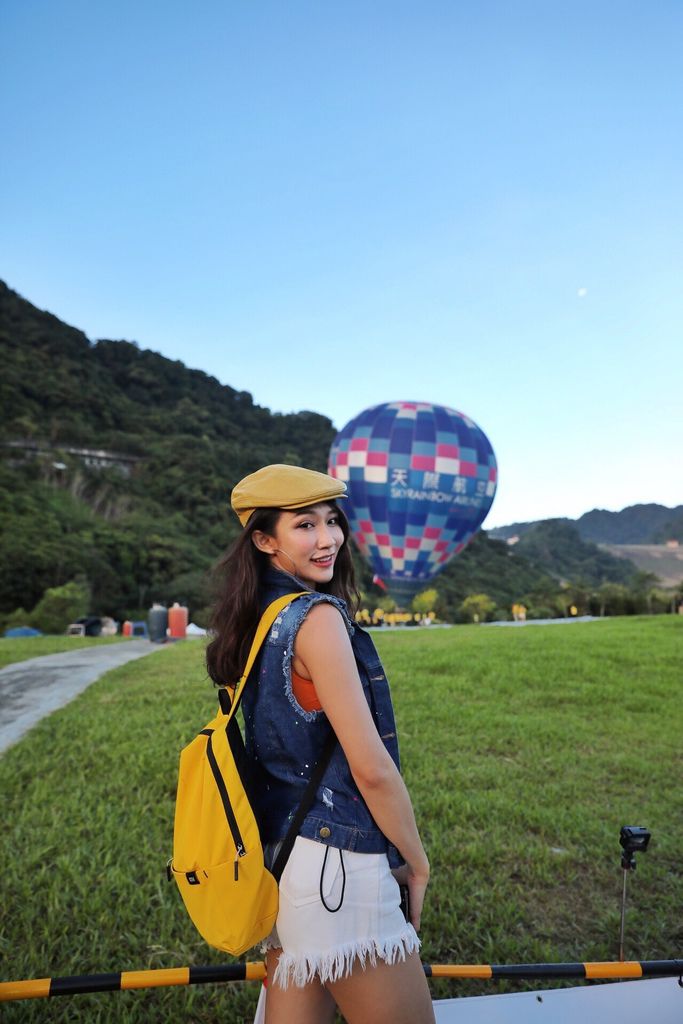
[121, 981]
[601, 970]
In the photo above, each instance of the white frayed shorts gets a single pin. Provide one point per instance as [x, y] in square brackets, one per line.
[324, 944]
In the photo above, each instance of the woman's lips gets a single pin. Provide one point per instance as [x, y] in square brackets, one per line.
[323, 562]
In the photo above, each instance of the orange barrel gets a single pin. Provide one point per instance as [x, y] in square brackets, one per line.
[177, 621]
[127, 628]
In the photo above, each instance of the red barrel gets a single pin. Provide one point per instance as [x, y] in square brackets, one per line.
[127, 628]
[177, 621]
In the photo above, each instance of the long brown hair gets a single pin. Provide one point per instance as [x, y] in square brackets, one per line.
[239, 575]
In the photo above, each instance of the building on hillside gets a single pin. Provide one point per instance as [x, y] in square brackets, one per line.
[94, 458]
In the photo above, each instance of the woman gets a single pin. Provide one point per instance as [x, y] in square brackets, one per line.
[340, 936]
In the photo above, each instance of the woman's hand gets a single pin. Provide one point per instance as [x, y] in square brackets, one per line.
[417, 881]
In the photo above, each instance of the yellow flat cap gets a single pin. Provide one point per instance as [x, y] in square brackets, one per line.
[287, 487]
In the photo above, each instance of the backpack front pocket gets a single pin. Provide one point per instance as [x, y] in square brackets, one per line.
[231, 910]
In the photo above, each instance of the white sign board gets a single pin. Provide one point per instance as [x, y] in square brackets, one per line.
[658, 1000]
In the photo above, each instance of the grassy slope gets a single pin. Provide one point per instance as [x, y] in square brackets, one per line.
[516, 744]
[20, 648]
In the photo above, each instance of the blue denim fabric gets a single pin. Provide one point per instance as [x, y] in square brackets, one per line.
[283, 741]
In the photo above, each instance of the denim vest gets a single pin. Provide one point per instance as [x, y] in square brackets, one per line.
[283, 741]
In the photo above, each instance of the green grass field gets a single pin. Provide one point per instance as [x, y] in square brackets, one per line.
[524, 750]
[20, 648]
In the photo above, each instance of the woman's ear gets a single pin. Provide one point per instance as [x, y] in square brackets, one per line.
[263, 542]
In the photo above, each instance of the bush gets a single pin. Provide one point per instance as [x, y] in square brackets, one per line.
[541, 612]
[202, 616]
[425, 602]
[477, 608]
[61, 605]
[19, 617]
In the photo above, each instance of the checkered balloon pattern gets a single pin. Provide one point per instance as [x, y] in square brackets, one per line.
[421, 479]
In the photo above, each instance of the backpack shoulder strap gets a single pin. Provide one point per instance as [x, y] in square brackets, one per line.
[304, 806]
[267, 619]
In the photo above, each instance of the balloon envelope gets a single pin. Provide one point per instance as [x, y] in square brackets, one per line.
[421, 479]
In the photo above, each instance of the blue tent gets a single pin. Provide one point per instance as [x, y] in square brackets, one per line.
[22, 631]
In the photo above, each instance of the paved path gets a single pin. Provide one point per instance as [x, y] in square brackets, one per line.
[549, 622]
[31, 689]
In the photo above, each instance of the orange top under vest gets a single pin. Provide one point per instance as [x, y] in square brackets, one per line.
[305, 694]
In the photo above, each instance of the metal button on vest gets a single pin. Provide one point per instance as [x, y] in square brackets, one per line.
[325, 832]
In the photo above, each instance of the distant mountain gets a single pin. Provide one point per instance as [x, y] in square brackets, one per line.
[672, 529]
[637, 524]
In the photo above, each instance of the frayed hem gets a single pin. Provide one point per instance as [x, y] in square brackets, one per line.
[270, 942]
[338, 963]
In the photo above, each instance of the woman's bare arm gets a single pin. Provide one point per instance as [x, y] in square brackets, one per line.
[323, 653]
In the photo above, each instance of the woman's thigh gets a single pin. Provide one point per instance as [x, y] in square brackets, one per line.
[385, 994]
[307, 1004]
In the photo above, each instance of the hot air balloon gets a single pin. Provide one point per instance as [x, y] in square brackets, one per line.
[421, 479]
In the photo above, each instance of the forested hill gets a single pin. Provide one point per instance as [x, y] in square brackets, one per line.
[637, 524]
[57, 385]
[146, 522]
[147, 536]
[557, 546]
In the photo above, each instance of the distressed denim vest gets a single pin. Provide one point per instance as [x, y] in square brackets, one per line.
[283, 741]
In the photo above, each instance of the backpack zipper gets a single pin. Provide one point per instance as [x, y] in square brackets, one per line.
[225, 799]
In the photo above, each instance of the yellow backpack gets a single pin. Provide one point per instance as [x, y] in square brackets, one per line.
[217, 860]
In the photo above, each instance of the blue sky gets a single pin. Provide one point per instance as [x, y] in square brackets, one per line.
[335, 205]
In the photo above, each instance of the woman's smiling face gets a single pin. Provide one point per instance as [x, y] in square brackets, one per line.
[305, 543]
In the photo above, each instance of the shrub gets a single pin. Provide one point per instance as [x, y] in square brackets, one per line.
[477, 608]
[61, 605]
[19, 617]
[541, 612]
[425, 602]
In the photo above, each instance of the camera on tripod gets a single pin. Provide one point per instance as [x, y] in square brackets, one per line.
[633, 839]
